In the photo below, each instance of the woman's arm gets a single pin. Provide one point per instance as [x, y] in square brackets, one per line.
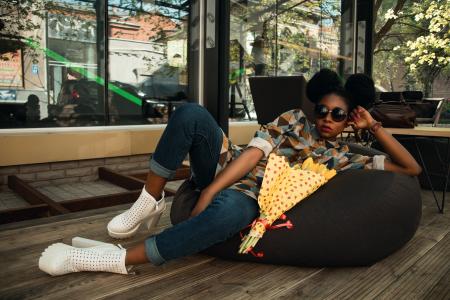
[232, 173]
[402, 160]
[261, 145]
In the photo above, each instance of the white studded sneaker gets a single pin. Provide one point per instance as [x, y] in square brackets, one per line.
[145, 209]
[60, 259]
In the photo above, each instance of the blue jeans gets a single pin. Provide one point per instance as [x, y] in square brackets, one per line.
[191, 129]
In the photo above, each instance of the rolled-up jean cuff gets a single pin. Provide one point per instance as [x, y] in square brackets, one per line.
[151, 250]
[160, 170]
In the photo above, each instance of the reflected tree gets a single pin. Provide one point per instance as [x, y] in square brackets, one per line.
[19, 19]
[411, 43]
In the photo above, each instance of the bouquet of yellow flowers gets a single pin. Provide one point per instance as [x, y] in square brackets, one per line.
[282, 188]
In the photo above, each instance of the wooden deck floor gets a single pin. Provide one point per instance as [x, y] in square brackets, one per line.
[420, 270]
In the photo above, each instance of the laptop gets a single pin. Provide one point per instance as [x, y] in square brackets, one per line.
[273, 96]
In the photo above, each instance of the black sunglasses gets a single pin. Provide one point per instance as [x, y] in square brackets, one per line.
[337, 113]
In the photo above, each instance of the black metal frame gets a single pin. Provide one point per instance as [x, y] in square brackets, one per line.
[365, 12]
[446, 174]
[193, 53]
[101, 10]
[443, 161]
[216, 67]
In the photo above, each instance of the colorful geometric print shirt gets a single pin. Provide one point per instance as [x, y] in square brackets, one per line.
[293, 136]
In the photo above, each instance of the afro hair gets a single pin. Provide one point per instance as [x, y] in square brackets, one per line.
[323, 83]
[362, 90]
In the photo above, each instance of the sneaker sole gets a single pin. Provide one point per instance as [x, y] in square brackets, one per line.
[124, 235]
[48, 262]
[151, 223]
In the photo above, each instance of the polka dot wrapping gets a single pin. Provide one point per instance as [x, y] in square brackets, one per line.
[283, 187]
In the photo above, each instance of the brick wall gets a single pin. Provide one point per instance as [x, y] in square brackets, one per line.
[73, 171]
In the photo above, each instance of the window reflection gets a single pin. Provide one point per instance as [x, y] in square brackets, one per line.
[405, 59]
[52, 71]
[148, 58]
[279, 38]
[72, 33]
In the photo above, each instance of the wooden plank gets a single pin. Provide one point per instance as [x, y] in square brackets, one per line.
[334, 281]
[90, 285]
[172, 187]
[73, 205]
[441, 290]
[200, 276]
[125, 181]
[43, 235]
[24, 213]
[72, 215]
[152, 282]
[181, 173]
[323, 285]
[101, 201]
[23, 284]
[58, 218]
[377, 278]
[20, 253]
[137, 181]
[33, 196]
[248, 280]
[367, 282]
[164, 280]
[91, 226]
[423, 275]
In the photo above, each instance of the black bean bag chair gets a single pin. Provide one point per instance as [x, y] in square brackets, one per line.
[358, 218]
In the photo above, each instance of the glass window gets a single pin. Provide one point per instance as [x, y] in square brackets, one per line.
[22, 75]
[74, 43]
[52, 62]
[147, 60]
[411, 51]
[50, 75]
[281, 38]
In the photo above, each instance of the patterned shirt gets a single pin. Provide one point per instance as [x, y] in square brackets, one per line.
[293, 136]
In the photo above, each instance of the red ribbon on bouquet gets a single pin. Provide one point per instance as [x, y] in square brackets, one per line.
[288, 224]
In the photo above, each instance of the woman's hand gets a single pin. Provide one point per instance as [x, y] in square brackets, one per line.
[232, 173]
[402, 160]
[204, 200]
[361, 118]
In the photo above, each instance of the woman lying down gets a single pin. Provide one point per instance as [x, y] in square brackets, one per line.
[230, 177]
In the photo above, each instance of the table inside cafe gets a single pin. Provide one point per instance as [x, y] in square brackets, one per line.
[433, 133]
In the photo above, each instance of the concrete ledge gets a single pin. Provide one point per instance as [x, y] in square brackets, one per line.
[37, 145]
